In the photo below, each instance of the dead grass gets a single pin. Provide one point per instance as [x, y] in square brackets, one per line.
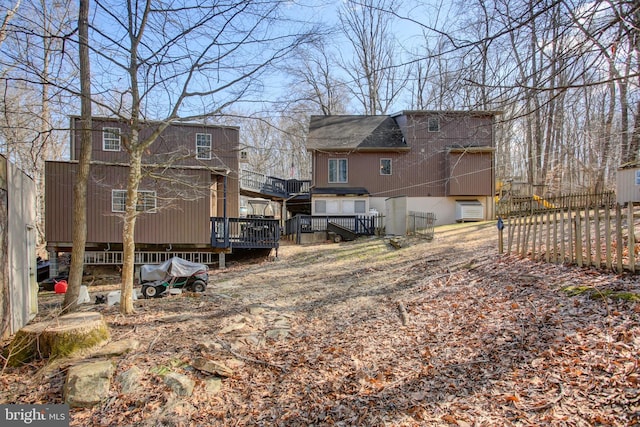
[488, 340]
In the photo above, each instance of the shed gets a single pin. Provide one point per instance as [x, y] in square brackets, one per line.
[18, 265]
[396, 215]
[628, 183]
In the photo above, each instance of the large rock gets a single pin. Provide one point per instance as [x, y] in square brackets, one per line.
[117, 348]
[62, 336]
[130, 380]
[212, 367]
[212, 386]
[180, 384]
[88, 384]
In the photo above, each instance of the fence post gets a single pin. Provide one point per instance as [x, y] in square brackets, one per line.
[619, 237]
[578, 227]
[510, 231]
[632, 239]
[527, 230]
[562, 237]
[519, 231]
[500, 226]
[587, 231]
[598, 237]
[607, 236]
[571, 257]
[534, 237]
[547, 255]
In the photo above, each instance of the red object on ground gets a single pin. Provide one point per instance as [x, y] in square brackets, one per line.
[60, 287]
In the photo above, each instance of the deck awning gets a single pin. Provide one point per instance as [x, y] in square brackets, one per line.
[340, 191]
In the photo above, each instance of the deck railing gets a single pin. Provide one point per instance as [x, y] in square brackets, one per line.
[270, 185]
[365, 225]
[245, 233]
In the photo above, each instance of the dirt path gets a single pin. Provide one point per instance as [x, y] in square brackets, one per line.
[445, 332]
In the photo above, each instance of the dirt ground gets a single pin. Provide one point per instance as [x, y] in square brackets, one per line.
[436, 333]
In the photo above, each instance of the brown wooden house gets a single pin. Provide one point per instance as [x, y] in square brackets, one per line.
[190, 176]
[441, 161]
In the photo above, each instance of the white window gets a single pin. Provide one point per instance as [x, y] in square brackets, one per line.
[146, 201]
[118, 200]
[340, 206]
[433, 124]
[360, 207]
[333, 207]
[385, 166]
[348, 207]
[203, 146]
[638, 177]
[110, 139]
[337, 170]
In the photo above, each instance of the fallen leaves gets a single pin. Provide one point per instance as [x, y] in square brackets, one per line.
[498, 343]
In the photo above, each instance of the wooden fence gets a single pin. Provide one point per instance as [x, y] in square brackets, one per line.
[421, 224]
[530, 205]
[600, 236]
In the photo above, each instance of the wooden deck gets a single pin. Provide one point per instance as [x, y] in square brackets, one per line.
[247, 233]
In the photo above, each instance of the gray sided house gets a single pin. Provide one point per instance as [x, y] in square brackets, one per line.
[190, 175]
[18, 266]
[440, 161]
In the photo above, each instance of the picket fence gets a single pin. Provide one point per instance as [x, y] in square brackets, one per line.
[601, 236]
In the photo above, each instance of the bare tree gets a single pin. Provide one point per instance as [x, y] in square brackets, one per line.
[8, 15]
[314, 76]
[376, 75]
[36, 78]
[182, 61]
[79, 236]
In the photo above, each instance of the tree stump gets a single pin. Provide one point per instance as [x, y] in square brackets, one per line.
[58, 337]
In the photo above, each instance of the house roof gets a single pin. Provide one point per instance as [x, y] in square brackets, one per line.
[448, 112]
[630, 165]
[374, 133]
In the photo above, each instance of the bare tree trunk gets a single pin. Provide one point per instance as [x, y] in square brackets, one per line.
[7, 17]
[377, 77]
[128, 232]
[634, 144]
[80, 188]
[605, 146]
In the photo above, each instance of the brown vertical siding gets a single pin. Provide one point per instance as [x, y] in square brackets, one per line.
[59, 201]
[424, 169]
[182, 217]
[175, 146]
[470, 174]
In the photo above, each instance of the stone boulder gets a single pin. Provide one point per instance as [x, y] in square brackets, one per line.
[88, 384]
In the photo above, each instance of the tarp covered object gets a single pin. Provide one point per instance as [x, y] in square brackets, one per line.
[174, 267]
